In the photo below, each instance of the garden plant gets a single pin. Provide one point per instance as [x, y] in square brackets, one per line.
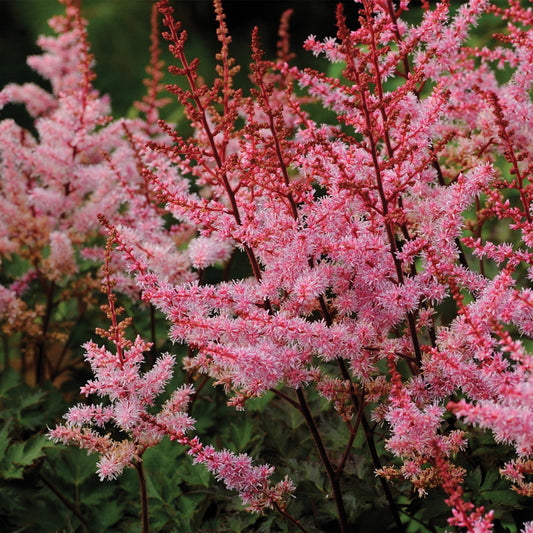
[301, 302]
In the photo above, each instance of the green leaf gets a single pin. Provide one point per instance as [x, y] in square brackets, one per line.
[473, 480]
[4, 438]
[73, 466]
[35, 448]
[30, 400]
[23, 454]
[9, 379]
[295, 419]
[259, 404]
[197, 475]
[492, 478]
[315, 473]
[268, 523]
[153, 489]
[108, 515]
[504, 497]
[14, 472]
[189, 503]
[241, 434]
[101, 492]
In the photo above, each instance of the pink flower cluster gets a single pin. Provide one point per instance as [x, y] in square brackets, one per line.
[360, 235]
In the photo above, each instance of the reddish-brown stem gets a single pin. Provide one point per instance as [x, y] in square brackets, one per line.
[279, 154]
[144, 497]
[197, 389]
[215, 153]
[40, 355]
[369, 437]
[57, 370]
[349, 444]
[330, 471]
[283, 512]
[287, 398]
[65, 501]
[379, 85]
[205, 125]
[394, 18]
[509, 152]
[114, 328]
[385, 212]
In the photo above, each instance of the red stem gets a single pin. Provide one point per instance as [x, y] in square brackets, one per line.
[144, 497]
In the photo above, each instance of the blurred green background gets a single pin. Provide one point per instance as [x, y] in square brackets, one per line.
[119, 32]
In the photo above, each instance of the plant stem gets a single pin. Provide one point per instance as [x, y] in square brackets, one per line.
[349, 444]
[377, 465]
[371, 446]
[289, 517]
[144, 497]
[153, 350]
[40, 355]
[330, 471]
[65, 501]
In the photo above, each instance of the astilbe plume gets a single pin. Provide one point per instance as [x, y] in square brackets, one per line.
[356, 234]
[130, 396]
[353, 240]
[76, 162]
[51, 180]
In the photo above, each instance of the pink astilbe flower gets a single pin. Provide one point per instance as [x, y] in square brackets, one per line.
[129, 394]
[61, 262]
[50, 183]
[238, 473]
[464, 514]
[415, 435]
[53, 185]
[509, 412]
[354, 240]
[370, 243]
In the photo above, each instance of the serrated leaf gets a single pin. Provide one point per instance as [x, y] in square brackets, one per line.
[82, 466]
[189, 503]
[31, 420]
[92, 498]
[259, 404]
[505, 497]
[4, 438]
[30, 400]
[266, 526]
[108, 515]
[197, 475]
[491, 478]
[241, 434]
[15, 459]
[23, 454]
[9, 379]
[473, 480]
[74, 466]
[295, 419]
[153, 489]
[35, 448]
[14, 472]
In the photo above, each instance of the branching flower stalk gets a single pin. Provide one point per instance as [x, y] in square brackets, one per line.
[359, 230]
[377, 289]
